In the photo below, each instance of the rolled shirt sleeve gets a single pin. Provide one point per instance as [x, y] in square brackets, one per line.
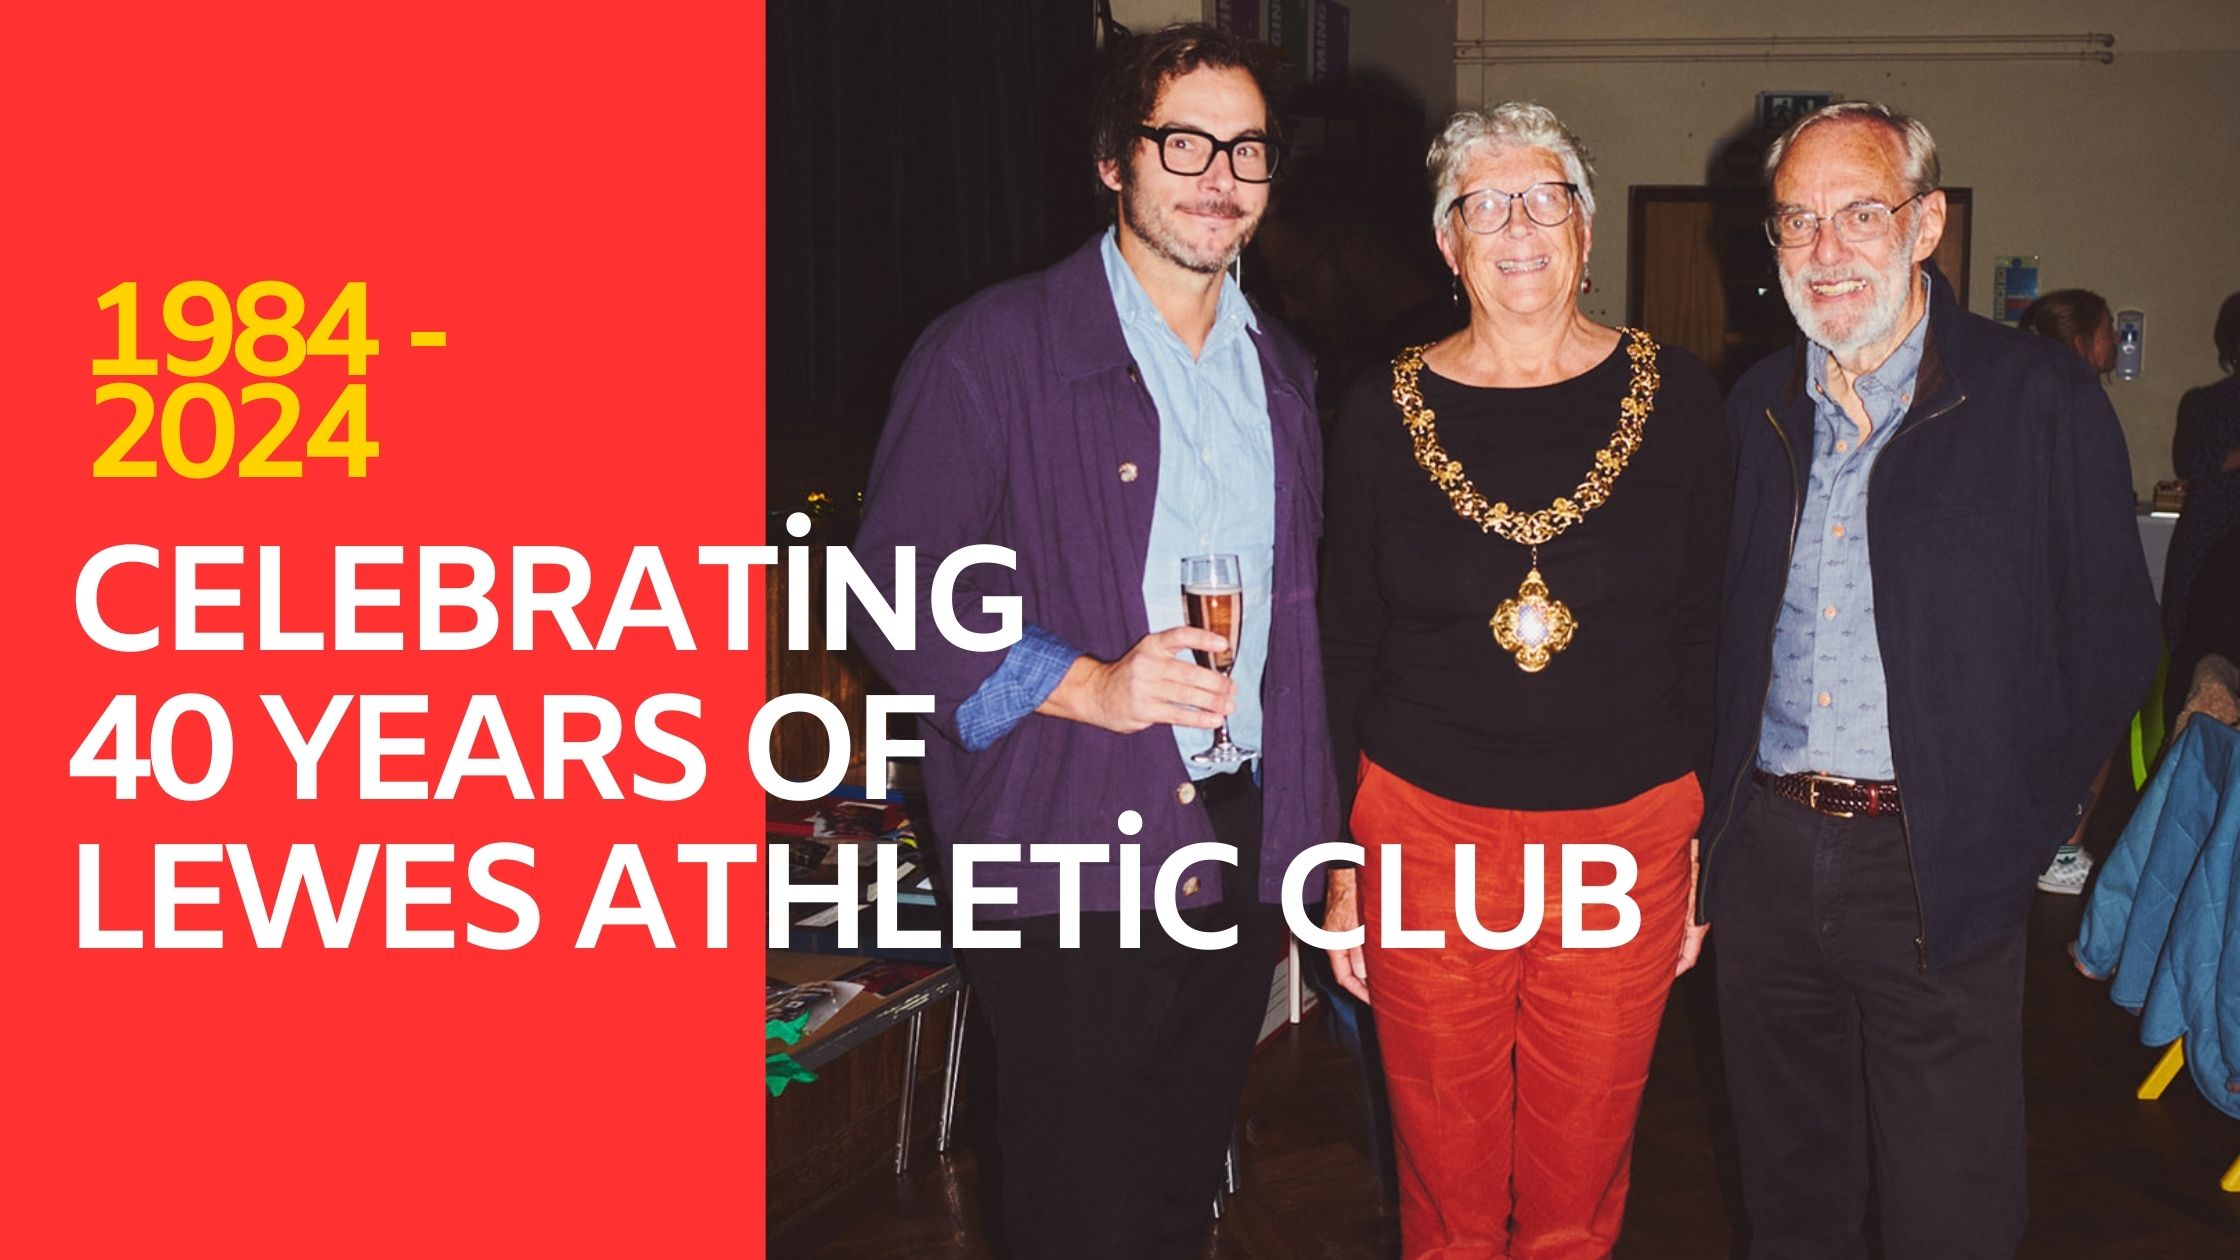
[1031, 670]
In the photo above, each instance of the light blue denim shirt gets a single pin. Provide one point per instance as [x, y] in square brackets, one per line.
[1217, 473]
[1216, 496]
[1828, 708]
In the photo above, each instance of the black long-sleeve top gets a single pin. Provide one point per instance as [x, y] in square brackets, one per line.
[2208, 429]
[1415, 677]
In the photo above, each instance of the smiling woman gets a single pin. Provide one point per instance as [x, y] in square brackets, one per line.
[1507, 678]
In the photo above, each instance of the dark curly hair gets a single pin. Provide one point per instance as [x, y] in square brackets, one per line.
[1138, 69]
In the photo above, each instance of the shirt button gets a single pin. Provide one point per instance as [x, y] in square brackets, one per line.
[1186, 793]
[1190, 886]
[1128, 471]
[1829, 612]
[1837, 531]
[1841, 447]
[1826, 699]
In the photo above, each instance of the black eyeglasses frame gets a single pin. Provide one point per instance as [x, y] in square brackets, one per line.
[1217, 148]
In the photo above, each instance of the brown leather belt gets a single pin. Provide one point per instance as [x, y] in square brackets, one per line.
[1835, 796]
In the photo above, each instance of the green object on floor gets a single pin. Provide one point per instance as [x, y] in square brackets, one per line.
[780, 1070]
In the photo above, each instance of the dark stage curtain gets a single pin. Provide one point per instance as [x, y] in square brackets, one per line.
[918, 152]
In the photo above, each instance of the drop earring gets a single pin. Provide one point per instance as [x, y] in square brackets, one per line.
[1457, 288]
[1586, 280]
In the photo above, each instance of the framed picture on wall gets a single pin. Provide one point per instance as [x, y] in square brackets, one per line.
[1776, 110]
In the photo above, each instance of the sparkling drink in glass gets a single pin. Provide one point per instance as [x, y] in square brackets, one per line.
[1213, 599]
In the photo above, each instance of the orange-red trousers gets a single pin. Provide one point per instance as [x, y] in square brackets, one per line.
[1516, 1075]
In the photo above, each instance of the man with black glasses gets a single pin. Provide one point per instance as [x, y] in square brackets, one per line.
[1107, 419]
[1937, 617]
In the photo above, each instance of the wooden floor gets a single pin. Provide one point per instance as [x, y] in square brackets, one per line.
[2110, 1176]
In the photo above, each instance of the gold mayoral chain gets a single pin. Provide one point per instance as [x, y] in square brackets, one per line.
[1533, 627]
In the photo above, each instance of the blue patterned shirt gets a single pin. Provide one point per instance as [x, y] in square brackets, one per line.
[1828, 707]
[1030, 671]
[1216, 495]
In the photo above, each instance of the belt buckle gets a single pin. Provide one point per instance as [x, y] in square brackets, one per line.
[1812, 784]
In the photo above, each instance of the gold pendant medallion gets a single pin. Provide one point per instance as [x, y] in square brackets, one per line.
[1533, 627]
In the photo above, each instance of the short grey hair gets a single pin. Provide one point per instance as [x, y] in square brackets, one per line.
[1511, 125]
[1920, 168]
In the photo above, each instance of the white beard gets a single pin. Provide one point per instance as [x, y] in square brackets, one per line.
[1890, 286]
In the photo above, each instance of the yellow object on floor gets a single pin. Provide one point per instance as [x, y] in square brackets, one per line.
[2166, 1070]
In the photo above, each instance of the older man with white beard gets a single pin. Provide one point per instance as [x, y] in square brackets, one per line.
[1937, 616]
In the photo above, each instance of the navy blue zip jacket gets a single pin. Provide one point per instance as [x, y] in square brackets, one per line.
[2012, 604]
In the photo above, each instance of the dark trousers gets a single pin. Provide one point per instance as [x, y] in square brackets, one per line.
[1832, 1033]
[1118, 1071]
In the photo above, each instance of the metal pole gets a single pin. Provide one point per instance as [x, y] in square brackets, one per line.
[955, 1068]
[909, 1092]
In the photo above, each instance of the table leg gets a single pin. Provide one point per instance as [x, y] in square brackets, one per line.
[1297, 981]
[909, 1091]
[955, 1068]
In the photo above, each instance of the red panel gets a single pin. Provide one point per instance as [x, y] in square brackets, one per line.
[576, 203]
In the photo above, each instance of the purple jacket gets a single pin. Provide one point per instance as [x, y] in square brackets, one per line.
[1021, 420]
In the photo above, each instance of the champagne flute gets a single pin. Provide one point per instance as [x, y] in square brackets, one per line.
[1213, 599]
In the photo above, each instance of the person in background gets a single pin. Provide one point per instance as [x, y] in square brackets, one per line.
[2208, 458]
[1937, 618]
[1516, 682]
[1104, 419]
[1344, 281]
[2079, 319]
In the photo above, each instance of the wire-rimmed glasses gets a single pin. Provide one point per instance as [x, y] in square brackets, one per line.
[1860, 223]
[1549, 203]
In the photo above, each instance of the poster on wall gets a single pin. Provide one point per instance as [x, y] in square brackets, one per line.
[1333, 37]
[1291, 34]
[2014, 285]
[1776, 110]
